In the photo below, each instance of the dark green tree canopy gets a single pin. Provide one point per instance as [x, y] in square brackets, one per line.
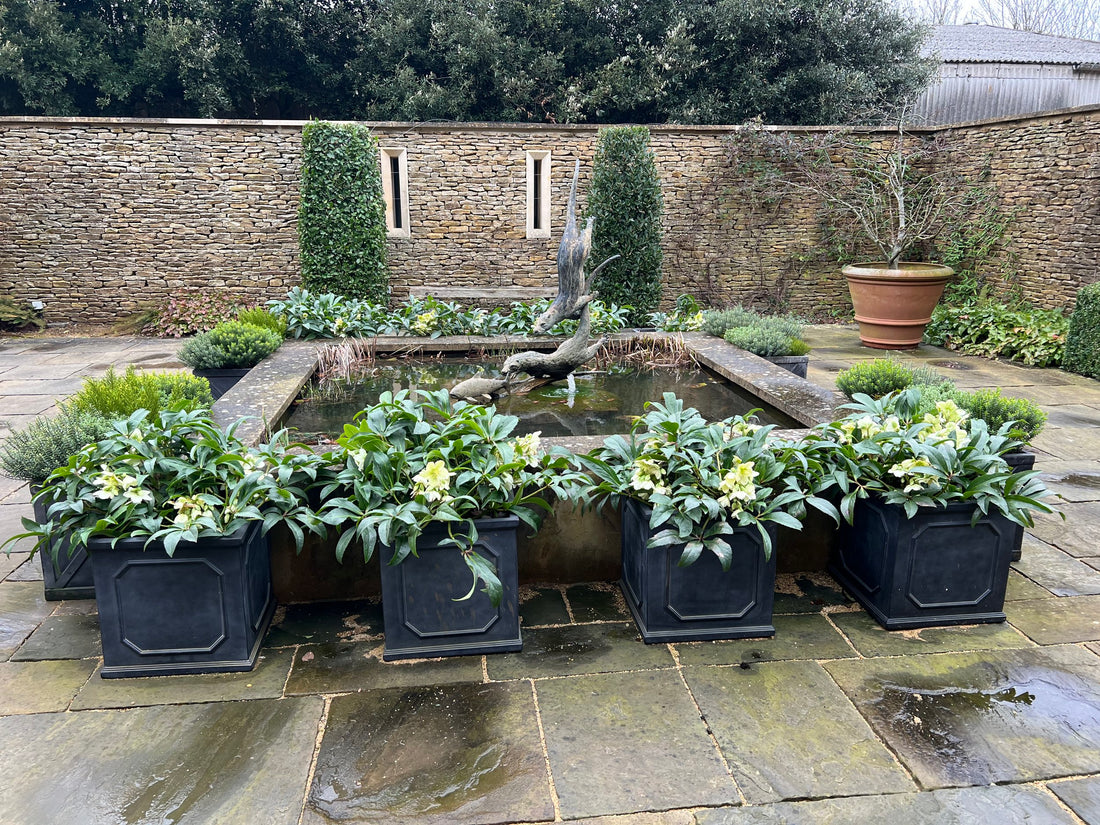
[557, 61]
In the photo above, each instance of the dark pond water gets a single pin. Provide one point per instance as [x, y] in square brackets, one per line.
[598, 403]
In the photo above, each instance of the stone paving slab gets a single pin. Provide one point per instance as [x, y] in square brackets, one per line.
[664, 818]
[870, 639]
[1068, 442]
[11, 523]
[265, 681]
[1082, 796]
[629, 742]
[986, 717]
[575, 649]
[787, 732]
[23, 606]
[1054, 392]
[796, 637]
[1074, 481]
[70, 636]
[320, 622]
[15, 492]
[449, 755]
[232, 763]
[1065, 620]
[1019, 588]
[968, 806]
[1078, 534]
[1056, 571]
[30, 570]
[53, 387]
[598, 602]
[41, 687]
[8, 563]
[25, 405]
[542, 606]
[347, 668]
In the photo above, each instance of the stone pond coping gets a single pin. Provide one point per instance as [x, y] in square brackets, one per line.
[264, 395]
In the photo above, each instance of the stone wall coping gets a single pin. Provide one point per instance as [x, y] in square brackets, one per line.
[534, 128]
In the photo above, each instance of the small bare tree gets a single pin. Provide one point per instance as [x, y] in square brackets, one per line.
[1065, 18]
[898, 192]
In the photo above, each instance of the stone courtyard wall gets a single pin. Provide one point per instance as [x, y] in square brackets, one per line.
[99, 216]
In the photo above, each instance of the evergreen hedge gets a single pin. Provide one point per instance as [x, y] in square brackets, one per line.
[1083, 339]
[342, 215]
[625, 199]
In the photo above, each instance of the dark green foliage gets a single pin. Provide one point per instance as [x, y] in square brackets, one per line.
[720, 321]
[625, 199]
[33, 453]
[262, 318]
[342, 214]
[231, 345]
[652, 61]
[120, 396]
[1083, 339]
[17, 315]
[1036, 337]
[882, 376]
[997, 410]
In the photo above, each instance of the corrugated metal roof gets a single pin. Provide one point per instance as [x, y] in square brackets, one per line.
[973, 43]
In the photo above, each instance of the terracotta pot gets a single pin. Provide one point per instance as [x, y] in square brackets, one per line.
[893, 306]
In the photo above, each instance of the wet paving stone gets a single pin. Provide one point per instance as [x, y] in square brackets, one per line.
[1067, 442]
[628, 742]
[320, 622]
[12, 513]
[985, 717]
[1071, 480]
[663, 818]
[265, 681]
[346, 668]
[542, 606]
[8, 563]
[70, 636]
[598, 602]
[1078, 535]
[1058, 621]
[788, 732]
[234, 763]
[455, 754]
[22, 607]
[41, 687]
[871, 640]
[1020, 588]
[29, 571]
[807, 593]
[576, 649]
[965, 806]
[1058, 572]
[1082, 796]
[796, 637]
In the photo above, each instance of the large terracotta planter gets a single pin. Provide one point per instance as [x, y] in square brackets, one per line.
[893, 306]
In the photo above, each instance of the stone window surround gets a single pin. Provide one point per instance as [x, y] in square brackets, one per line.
[387, 155]
[543, 229]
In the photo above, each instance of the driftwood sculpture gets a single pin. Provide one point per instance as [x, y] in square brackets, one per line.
[572, 302]
[572, 253]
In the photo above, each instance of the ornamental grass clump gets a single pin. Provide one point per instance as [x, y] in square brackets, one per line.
[887, 450]
[703, 479]
[174, 477]
[408, 462]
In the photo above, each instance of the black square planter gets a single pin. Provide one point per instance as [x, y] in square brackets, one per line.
[71, 576]
[422, 618]
[1020, 462]
[929, 570]
[222, 380]
[701, 601]
[203, 610]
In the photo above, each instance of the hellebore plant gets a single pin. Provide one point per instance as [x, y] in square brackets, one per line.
[404, 464]
[884, 448]
[704, 479]
[177, 476]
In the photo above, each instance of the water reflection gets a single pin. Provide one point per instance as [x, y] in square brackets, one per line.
[591, 403]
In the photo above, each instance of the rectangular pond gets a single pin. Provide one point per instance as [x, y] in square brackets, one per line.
[596, 402]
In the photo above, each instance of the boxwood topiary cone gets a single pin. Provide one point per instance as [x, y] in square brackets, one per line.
[1083, 339]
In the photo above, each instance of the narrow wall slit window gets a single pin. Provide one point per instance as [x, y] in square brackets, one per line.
[538, 194]
[395, 190]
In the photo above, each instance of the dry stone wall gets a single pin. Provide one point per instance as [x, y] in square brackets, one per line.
[98, 217]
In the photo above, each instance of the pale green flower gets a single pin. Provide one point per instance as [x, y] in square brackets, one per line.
[910, 471]
[739, 429]
[189, 510]
[424, 322]
[737, 483]
[433, 482]
[527, 446]
[647, 477]
[109, 484]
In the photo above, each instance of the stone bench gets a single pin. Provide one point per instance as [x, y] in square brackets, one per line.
[489, 297]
